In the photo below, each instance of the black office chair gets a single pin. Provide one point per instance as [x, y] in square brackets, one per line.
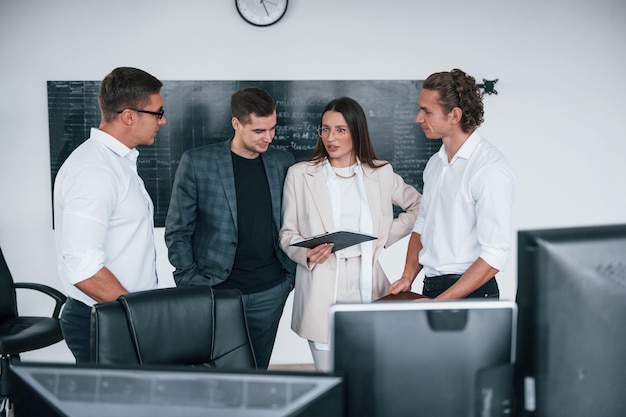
[194, 326]
[20, 333]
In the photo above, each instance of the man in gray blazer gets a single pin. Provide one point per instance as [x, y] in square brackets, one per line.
[224, 217]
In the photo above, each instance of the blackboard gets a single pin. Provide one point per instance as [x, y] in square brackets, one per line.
[198, 113]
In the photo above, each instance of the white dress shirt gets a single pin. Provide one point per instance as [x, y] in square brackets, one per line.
[466, 209]
[103, 217]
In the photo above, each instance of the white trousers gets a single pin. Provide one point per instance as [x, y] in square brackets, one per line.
[348, 291]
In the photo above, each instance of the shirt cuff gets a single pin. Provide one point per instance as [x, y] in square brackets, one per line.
[81, 267]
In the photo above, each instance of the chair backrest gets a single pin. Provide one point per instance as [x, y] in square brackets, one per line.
[8, 302]
[177, 326]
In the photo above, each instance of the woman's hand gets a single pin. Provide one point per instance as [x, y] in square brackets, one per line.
[319, 254]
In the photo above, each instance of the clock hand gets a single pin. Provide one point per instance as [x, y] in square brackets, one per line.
[263, 3]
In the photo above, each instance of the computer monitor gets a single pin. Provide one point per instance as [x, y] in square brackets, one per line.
[571, 354]
[425, 358]
[58, 390]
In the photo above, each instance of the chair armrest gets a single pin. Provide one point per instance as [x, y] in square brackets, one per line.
[57, 295]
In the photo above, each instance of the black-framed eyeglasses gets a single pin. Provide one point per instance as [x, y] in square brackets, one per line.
[159, 114]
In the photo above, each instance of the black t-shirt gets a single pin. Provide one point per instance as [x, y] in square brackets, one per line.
[256, 266]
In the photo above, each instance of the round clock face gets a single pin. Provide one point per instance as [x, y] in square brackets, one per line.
[261, 12]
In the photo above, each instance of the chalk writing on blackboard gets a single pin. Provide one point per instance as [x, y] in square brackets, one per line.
[198, 113]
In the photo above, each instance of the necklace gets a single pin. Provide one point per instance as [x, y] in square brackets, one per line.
[346, 169]
[344, 176]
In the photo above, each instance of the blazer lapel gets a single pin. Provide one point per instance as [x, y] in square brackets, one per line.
[227, 177]
[374, 193]
[315, 181]
[273, 180]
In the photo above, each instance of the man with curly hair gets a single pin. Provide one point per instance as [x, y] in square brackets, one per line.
[462, 235]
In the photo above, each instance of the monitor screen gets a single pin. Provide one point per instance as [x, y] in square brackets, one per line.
[425, 358]
[58, 390]
[571, 354]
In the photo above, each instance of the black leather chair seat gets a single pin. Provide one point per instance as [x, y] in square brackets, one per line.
[195, 326]
[21, 334]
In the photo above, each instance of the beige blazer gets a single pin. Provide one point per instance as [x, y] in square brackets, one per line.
[307, 212]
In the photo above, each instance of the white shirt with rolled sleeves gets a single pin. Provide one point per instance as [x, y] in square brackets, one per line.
[466, 209]
[103, 217]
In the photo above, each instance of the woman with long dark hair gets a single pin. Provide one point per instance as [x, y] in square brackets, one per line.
[344, 186]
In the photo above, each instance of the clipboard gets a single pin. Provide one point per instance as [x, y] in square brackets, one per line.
[403, 296]
[341, 240]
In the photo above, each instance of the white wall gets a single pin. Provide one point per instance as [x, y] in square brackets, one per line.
[560, 66]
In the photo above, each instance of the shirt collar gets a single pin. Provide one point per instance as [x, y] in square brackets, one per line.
[465, 151]
[113, 144]
[331, 173]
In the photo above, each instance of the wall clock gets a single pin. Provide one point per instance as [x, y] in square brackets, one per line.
[261, 12]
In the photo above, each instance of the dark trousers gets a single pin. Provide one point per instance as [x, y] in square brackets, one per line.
[76, 328]
[263, 312]
[433, 286]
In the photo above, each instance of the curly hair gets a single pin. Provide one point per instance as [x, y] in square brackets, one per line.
[458, 89]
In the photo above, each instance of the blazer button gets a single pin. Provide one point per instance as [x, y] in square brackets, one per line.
[233, 243]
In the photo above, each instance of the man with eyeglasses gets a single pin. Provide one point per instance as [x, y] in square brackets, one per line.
[102, 212]
[224, 216]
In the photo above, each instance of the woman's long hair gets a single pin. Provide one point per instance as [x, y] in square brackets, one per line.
[354, 115]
